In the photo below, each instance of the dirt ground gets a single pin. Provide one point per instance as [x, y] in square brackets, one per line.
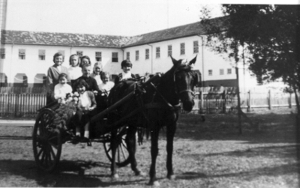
[206, 154]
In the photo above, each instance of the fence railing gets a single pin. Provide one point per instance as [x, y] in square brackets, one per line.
[23, 90]
[21, 105]
[215, 99]
[14, 103]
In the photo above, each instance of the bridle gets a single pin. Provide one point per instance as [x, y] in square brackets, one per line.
[187, 90]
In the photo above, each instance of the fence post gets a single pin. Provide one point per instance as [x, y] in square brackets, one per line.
[270, 101]
[224, 101]
[201, 103]
[290, 101]
[16, 105]
[249, 101]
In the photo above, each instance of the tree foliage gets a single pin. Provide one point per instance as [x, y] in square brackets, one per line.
[268, 35]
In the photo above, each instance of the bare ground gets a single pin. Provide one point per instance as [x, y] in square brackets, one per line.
[209, 154]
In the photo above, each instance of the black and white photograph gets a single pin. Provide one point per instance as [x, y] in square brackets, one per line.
[150, 93]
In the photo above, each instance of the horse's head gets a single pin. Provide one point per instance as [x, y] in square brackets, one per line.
[186, 79]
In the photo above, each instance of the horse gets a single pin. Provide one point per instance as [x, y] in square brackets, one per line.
[159, 105]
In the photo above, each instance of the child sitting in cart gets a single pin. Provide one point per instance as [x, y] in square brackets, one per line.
[85, 108]
[106, 85]
[126, 66]
[62, 88]
[104, 88]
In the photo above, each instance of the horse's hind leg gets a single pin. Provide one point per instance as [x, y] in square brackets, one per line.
[131, 146]
[171, 129]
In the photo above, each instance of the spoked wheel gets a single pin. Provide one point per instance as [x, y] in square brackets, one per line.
[46, 141]
[122, 154]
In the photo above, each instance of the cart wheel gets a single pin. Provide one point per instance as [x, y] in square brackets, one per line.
[122, 154]
[46, 141]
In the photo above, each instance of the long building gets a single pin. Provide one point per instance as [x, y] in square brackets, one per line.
[25, 56]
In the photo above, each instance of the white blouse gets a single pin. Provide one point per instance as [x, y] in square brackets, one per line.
[85, 100]
[74, 73]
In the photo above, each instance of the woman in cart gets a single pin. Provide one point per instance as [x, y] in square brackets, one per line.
[53, 74]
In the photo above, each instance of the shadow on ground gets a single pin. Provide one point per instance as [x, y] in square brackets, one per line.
[68, 174]
[265, 128]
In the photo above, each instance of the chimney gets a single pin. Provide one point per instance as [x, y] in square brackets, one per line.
[3, 13]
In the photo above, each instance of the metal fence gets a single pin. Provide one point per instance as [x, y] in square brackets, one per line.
[209, 100]
[24, 102]
[21, 105]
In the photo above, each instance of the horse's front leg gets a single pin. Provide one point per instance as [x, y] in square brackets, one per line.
[171, 129]
[154, 153]
[131, 145]
[113, 166]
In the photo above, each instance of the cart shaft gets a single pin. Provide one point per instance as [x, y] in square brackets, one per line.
[112, 107]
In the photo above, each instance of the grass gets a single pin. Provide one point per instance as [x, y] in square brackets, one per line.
[206, 154]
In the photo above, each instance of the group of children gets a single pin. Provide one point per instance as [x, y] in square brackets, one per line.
[84, 82]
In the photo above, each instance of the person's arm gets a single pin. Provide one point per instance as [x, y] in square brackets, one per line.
[133, 76]
[118, 78]
[50, 80]
[57, 92]
[93, 99]
[95, 85]
[69, 89]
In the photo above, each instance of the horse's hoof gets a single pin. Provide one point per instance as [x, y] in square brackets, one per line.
[114, 177]
[154, 183]
[139, 173]
[171, 177]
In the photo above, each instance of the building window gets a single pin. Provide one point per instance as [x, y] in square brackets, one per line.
[182, 48]
[79, 53]
[169, 50]
[147, 54]
[196, 47]
[2, 53]
[228, 71]
[128, 55]
[157, 52]
[115, 57]
[98, 56]
[42, 54]
[22, 53]
[210, 72]
[221, 71]
[137, 55]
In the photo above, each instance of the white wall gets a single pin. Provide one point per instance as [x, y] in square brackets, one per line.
[206, 59]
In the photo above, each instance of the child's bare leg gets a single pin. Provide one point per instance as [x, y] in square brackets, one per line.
[87, 130]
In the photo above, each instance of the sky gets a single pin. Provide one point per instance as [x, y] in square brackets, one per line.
[109, 17]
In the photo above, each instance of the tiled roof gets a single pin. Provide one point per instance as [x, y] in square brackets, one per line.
[106, 41]
[61, 39]
[176, 32]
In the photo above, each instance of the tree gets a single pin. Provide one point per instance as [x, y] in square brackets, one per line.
[267, 34]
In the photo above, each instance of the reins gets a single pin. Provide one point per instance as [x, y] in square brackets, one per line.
[187, 90]
[159, 105]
